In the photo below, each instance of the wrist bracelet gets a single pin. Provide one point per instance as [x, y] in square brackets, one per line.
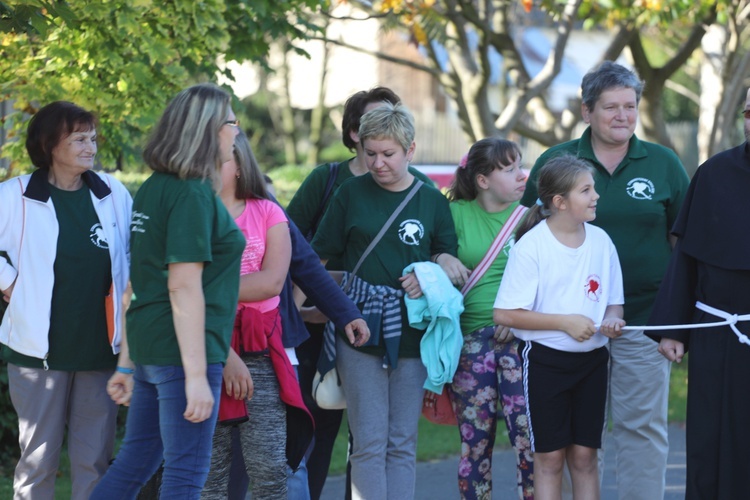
[126, 371]
[437, 256]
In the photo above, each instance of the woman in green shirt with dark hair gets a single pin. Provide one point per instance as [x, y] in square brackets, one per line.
[185, 253]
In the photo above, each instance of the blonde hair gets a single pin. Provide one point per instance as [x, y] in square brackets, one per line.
[185, 142]
[389, 121]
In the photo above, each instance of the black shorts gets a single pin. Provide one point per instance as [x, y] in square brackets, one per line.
[566, 394]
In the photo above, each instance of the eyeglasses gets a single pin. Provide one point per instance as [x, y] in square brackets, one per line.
[233, 123]
[745, 113]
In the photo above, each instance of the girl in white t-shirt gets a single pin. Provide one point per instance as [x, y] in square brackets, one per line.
[563, 278]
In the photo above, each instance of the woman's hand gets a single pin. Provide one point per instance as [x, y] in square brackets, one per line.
[237, 379]
[120, 388]
[612, 327]
[503, 334]
[357, 332]
[578, 326]
[456, 271]
[410, 284]
[672, 349]
[200, 399]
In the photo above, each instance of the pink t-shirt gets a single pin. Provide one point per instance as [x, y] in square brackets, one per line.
[254, 222]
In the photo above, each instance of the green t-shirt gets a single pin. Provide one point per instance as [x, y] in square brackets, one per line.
[638, 206]
[422, 229]
[78, 338]
[180, 221]
[304, 205]
[476, 229]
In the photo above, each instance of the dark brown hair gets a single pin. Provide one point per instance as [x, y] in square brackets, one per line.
[50, 125]
[250, 183]
[484, 156]
[355, 106]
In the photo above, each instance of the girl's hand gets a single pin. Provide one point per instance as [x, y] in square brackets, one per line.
[200, 399]
[237, 379]
[503, 334]
[612, 327]
[579, 327]
[410, 284]
[456, 271]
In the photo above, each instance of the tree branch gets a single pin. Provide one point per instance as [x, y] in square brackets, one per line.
[381, 55]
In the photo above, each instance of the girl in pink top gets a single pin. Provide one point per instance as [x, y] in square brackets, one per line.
[260, 391]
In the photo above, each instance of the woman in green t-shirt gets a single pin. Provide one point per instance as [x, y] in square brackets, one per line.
[383, 379]
[185, 257]
[484, 200]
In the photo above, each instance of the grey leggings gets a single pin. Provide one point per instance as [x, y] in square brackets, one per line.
[263, 440]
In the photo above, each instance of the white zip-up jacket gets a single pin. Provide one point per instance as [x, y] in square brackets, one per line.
[29, 232]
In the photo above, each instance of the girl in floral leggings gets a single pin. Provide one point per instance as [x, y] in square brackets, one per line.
[484, 204]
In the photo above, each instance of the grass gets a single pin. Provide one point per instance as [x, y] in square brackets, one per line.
[435, 441]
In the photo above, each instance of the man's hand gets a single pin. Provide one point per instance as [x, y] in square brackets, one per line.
[672, 349]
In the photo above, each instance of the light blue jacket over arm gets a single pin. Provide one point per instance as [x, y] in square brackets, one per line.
[437, 311]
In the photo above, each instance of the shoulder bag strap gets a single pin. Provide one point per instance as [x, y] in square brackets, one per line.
[333, 169]
[497, 245]
[383, 229]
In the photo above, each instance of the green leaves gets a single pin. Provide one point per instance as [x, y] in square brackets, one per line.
[124, 59]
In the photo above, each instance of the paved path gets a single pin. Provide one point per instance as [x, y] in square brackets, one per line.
[436, 480]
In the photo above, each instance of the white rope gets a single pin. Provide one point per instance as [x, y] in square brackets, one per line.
[730, 320]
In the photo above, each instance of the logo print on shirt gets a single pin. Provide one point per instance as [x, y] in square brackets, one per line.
[593, 288]
[410, 231]
[97, 236]
[136, 224]
[640, 188]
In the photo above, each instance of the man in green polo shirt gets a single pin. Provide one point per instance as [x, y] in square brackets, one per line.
[642, 186]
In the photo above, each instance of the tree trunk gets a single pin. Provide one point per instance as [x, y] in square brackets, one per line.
[318, 113]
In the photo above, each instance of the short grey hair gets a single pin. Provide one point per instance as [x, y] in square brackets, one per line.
[185, 142]
[608, 75]
[388, 121]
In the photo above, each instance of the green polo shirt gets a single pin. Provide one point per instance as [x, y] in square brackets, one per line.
[638, 205]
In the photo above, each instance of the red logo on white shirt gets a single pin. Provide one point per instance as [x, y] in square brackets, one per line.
[593, 288]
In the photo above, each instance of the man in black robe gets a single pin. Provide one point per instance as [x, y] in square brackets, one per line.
[710, 266]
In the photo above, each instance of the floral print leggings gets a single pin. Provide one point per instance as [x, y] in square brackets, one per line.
[487, 372]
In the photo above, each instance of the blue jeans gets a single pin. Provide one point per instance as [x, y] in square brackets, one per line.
[156, 430]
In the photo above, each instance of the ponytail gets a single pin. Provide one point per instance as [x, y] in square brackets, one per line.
[483, 158]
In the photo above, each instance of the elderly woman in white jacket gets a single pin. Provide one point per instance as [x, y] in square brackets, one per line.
[65, 231]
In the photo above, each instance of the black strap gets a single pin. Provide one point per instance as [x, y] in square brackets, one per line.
[382, 231]
[333, 170]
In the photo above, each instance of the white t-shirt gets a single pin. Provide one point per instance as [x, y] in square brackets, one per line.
[543, 275]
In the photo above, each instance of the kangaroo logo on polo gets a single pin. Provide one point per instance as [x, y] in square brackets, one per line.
[640, 188]
[97, 236]
[410, 232]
